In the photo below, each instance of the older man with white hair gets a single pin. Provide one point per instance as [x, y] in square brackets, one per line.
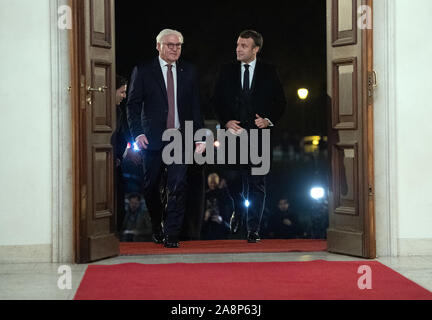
[164, 95]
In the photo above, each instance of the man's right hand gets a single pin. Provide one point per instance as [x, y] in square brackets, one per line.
[142, 142]
[233, 126]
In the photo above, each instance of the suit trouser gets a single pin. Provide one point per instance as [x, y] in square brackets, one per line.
[176, 186]
[243, 185]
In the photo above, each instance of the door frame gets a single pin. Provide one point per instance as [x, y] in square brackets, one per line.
[78, 63]
[62, 204]
[368, 65]
[65, 156]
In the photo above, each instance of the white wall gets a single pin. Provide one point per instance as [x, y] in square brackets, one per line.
[403, 177]
[25, 124]
[414, 114]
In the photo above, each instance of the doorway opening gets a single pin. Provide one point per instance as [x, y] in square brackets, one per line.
[295, 41]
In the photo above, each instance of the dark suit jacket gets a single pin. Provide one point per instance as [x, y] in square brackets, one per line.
[147, 106]
[267, 95]
[121, 136]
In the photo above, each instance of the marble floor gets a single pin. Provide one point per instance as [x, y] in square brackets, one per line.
[39, 281]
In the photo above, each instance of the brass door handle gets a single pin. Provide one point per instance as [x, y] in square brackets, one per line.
[100, 89]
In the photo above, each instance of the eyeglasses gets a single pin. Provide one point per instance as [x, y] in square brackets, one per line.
[174, 45]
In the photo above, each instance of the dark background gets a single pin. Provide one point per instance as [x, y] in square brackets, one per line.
[294, 35]
[294, 40]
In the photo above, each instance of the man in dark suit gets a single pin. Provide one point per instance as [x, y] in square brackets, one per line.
[163, 95]
[248, 95]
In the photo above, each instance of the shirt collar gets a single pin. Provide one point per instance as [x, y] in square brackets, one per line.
[163, 63]
[251, 64]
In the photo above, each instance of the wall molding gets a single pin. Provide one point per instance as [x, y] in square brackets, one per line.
[385, 107]
[26, 254]
[393, 227]
[414, 247]
[61, 141]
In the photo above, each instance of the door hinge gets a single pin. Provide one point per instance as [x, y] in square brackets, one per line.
[83, 101]
[371, 192]
[372, 83]
[83, 202]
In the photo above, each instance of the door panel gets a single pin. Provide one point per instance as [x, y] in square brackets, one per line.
[349, 65]
[95, 59]
[101, 23]
[345, 93]
[101, 75]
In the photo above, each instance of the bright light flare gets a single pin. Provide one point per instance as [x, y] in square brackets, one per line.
[303, 93]
[317, 193]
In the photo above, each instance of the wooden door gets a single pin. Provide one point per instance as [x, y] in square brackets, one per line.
[93, 69]
[350, 89]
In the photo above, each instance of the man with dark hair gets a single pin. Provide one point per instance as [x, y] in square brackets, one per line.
[255, 36]
[136, 226]
[121, 88]
[283, 223]
[248, 95]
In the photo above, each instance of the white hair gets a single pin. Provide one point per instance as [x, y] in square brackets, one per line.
[168, 32]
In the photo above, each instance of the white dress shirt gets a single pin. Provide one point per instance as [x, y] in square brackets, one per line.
[251, 72]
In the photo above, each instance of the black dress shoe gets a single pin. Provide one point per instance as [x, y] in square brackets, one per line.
[235, 223]
[171, 242]
[158, 238]
[253, 237]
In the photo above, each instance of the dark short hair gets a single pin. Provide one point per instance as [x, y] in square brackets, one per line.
[256, 37]
[285, 199]
[134, 195]
[120, 81]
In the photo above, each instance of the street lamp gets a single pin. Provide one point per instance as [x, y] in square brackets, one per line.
[303, 93]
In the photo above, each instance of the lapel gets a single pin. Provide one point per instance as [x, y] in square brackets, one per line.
[180, 85]
[255, 75]
[157, 71]
[238, 76]
[180, 80]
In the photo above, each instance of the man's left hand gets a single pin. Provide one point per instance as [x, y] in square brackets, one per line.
[260, 122]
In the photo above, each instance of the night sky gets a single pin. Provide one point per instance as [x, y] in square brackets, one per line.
[294, 40]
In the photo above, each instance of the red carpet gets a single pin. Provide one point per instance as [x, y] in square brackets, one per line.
[314, 280]
[225, 246]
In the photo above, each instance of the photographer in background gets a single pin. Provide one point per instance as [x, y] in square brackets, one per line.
[215, 225]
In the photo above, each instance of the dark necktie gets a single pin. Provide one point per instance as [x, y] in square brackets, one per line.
[246, 78]
[170, 93]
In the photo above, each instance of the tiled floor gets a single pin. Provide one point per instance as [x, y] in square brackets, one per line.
[39, 281]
